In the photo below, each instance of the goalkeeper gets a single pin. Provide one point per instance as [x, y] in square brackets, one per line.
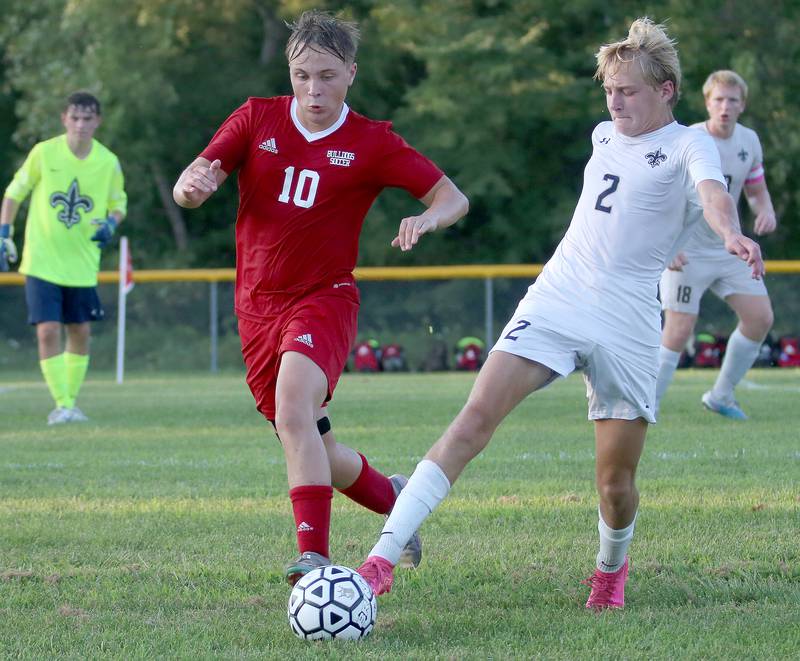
[77, 202]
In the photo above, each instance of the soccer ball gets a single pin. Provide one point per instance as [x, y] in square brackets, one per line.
[332, 602]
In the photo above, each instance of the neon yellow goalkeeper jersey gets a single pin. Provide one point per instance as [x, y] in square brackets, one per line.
[67, 194]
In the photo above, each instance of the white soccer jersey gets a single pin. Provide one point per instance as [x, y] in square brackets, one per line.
[742, 162]
[632, 216]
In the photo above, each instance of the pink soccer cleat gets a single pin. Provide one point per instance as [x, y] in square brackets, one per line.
[608, 590]
[379, 573]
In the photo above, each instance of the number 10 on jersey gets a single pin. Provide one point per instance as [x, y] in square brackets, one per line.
[305, 188]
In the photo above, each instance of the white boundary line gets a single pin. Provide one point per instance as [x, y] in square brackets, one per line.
[752, 385]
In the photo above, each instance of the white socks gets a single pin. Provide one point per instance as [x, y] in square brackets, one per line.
[667, 364]
[426, 488]
[740, 354]
[613, 545]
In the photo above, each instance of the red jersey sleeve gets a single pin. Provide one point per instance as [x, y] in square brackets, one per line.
[402, 166]
[230, 142]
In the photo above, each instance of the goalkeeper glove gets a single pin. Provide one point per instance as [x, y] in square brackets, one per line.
[8, 251]
[104, 231]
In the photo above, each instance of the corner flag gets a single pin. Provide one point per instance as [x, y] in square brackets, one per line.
[125, 286]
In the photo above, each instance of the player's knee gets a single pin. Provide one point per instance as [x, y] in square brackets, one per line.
[80, 331]
[767, 319]
[616, 491]
[48, 333]
[757, 326]
[476, 423]
[291, 424]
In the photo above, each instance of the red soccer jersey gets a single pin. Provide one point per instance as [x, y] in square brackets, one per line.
[303, 196]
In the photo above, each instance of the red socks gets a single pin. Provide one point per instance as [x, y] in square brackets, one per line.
[312, 516]
[312, 506]
[371, 489]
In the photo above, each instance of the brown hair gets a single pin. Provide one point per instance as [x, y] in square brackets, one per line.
[322, 30]
[82, 100]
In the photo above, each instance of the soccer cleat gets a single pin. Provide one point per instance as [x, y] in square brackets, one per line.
[304, 564]
[59, 415]
[379, 573]
[411, 554]
[76, 415]
[608, 590]
[729, 409]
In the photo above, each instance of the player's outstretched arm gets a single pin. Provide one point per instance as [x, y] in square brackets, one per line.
[720, 213]
[446, 204]
[761, 203]
[197, 182]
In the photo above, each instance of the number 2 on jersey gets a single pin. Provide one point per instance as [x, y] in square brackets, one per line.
[521, 326]
[614, 179]
[301, 198]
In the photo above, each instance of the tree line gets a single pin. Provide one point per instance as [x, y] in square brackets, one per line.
[498, 92]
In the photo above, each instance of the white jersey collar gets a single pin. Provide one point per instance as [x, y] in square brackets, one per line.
[659, 132]
[308, 135]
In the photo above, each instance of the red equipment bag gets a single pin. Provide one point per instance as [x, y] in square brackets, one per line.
[365, 357]
[789, 355]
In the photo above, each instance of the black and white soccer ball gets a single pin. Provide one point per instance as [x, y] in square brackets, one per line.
[332, 602]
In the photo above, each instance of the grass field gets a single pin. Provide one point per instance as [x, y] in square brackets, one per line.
[159, 529]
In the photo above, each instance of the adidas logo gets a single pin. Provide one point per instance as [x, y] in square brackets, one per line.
[269, 145]
[304, 527]
[305, 339]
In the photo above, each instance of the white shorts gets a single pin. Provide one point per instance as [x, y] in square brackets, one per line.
[616, 387]
[723, 273]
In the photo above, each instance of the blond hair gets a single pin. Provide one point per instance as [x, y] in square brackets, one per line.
[651, 48]
[725, 77]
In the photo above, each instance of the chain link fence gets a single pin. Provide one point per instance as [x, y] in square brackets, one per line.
[170, 327]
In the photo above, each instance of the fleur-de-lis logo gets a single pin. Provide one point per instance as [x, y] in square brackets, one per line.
[655, 158]
[743, 155]
[72, 201]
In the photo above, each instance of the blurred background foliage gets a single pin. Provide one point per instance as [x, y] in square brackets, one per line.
[498, 92]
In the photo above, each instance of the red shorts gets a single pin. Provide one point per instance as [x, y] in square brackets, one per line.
[322, 326]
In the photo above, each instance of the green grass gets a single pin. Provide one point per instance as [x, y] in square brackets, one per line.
[159, 529]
